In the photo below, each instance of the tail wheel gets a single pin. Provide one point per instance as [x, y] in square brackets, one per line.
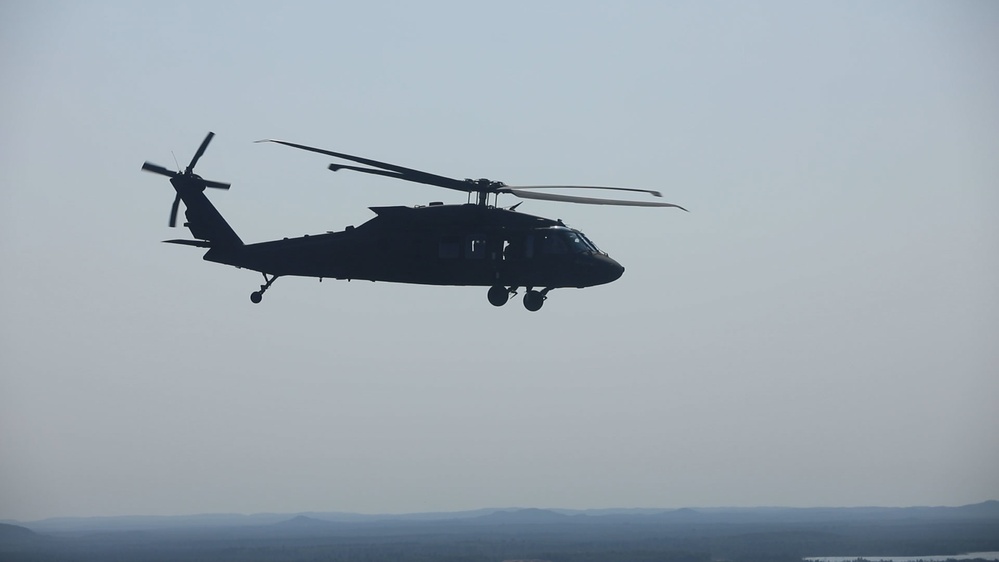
[257, 296]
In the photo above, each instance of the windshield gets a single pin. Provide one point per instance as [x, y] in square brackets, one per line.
[577, 242]
[565, 241]
[589, 243]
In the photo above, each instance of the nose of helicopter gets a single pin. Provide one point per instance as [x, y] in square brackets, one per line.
[616, 269]
[608, 270]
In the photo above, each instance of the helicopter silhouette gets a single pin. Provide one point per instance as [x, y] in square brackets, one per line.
[473, 244]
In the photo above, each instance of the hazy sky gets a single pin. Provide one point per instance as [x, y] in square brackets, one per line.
[820, 329]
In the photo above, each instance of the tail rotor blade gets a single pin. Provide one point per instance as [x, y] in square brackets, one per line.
[186, 182]
[157, 169]
[201, 150]
[216, 184]
[173, 211]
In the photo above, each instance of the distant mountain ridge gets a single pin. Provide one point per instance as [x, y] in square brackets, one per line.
[15, 532]
[303, 521]
[688, 535]
[988, 510]
[523, 516]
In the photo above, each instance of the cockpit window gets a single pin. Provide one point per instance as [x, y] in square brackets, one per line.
[588, 241]
[578, 243]
[565, 241]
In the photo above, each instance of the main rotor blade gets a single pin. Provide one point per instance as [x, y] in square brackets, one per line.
[157, 169]
[408, 174]
[386, 173]
[631, 189]
[173, 211]
[584, 200]
[201, 151]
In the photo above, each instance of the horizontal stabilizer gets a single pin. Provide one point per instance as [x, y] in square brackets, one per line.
[197, 243]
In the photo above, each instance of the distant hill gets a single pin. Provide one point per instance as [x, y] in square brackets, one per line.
[225, 520]
[12, 533]
[303, 521]
[688, 535]
[522, 517]
[15, 531]
[985, 511]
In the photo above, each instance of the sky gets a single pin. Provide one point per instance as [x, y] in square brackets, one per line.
[818, 330]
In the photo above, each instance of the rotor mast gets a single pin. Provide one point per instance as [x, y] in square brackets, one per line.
[483, 187]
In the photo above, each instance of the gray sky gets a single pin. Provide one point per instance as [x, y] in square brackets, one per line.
[819, 330]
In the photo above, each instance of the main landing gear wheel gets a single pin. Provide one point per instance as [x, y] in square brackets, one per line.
[257, 296]
[498, 295]
[533, 300]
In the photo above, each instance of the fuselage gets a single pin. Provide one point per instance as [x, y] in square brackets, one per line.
[437, 245]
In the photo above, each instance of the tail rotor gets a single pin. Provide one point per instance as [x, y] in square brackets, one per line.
[186, 181]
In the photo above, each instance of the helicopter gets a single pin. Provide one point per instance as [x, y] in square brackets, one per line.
[476, 243]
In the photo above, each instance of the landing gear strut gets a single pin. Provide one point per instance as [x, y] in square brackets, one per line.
[257, 296]
[499, 295]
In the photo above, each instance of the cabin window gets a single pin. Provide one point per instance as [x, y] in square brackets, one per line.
[449, 248]
[475, 247]
[515, 249]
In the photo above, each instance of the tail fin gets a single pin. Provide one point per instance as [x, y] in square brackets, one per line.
[203, 219]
